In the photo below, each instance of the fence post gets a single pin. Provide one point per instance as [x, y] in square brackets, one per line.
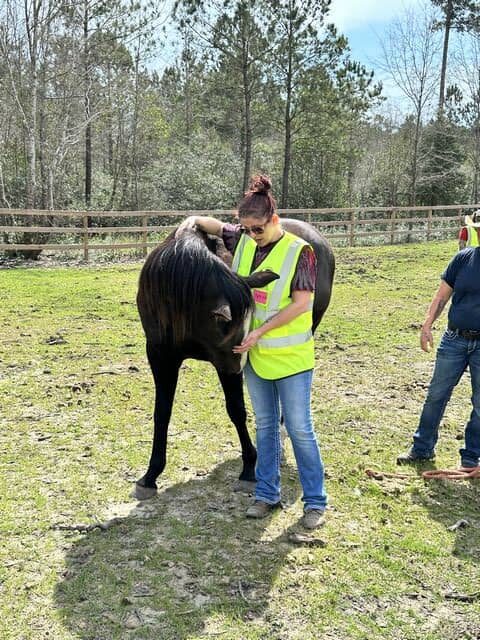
[429, 223]
[352, 229]
[85, 237]
[392, 226]
[144, 235]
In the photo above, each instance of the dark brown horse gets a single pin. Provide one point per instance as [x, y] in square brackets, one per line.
[193, 306]
[325, 265]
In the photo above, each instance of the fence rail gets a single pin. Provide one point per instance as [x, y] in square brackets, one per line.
[344, 224]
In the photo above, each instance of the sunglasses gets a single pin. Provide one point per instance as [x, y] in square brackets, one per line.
[256, 229]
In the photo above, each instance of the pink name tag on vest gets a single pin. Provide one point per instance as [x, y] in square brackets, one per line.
[260, 296]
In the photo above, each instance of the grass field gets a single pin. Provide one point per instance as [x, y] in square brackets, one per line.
[76, 432]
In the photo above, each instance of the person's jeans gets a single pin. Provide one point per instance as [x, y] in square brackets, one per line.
[292, 394]
[454, 354]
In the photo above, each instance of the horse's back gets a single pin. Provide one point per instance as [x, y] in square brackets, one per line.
[325, 264]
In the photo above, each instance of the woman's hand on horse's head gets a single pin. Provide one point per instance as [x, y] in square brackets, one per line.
[206, 224]
[188, 224]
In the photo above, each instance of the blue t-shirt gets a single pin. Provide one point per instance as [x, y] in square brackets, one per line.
[463, 275]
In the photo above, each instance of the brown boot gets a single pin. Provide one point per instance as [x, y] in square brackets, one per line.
[313, 518]
[261, 509]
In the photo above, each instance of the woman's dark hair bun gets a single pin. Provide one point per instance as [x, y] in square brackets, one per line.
[260, 184]
[252, 205]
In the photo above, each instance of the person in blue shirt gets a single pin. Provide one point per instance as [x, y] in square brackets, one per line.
[459, 348]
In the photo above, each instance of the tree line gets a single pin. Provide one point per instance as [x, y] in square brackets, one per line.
[88, 121]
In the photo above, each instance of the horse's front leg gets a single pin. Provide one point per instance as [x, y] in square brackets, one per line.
[164, 365]
[232, 385]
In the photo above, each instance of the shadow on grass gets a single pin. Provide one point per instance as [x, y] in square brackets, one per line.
[450, 502]
[184, 563]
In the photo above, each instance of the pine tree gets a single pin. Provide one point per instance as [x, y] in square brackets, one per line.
[459, 15]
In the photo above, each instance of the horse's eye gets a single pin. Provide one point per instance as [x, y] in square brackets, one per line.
[225, 327]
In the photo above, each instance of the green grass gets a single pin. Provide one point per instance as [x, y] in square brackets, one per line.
[76, 432]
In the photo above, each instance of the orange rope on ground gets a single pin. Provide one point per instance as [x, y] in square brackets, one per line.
[464, 473]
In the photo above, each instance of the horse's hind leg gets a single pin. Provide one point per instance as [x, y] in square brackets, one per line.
[232, 385]
[164, 365]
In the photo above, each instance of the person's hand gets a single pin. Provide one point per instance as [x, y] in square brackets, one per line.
[426, 339]
[252, 338]
[188, 224]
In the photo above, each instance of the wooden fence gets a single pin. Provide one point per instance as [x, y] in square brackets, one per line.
[347, 225]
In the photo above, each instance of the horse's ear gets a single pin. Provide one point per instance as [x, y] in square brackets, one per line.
[222, 312]
[261, 278]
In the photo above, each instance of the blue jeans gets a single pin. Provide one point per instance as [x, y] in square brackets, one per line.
[293, 395]
[454, 354]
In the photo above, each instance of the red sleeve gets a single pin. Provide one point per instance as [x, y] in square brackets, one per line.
[463, 235]
[305, 273]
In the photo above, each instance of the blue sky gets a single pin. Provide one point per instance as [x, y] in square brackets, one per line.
[364, 21]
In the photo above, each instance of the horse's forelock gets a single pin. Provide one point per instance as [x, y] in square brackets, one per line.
[173, 285]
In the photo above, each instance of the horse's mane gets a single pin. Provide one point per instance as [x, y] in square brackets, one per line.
[173, 286]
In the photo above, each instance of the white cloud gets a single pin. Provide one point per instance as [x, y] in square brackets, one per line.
[357, 14]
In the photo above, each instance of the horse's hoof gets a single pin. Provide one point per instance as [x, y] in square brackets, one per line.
[245, 486]
[143, 493]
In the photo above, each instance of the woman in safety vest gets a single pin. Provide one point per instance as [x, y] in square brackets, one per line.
[279, 345]
[468, 236]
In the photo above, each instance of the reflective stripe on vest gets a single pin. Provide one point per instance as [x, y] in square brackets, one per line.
[239, 251]
[278, 286]
[288, 349]
[286, 341]
[472, 237]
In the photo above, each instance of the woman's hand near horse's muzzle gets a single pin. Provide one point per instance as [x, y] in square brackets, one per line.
[250, 341]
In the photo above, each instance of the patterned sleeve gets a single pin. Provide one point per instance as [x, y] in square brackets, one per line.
[305, 273]
[231, 235]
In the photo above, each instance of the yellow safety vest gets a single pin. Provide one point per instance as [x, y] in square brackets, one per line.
[288, 349]
[472, 237]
